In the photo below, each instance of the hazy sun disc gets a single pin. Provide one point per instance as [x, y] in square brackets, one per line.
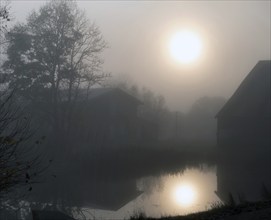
[185, 46]
[185, 195]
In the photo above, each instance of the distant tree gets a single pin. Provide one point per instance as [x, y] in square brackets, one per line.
[134, 90]
[154, 105]
[154, 109]
[207, 106]
[54, 55]
[200, 122]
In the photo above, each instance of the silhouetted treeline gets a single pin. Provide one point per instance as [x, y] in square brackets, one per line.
[197, 126]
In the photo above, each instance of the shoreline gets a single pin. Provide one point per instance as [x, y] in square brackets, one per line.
[247, 211]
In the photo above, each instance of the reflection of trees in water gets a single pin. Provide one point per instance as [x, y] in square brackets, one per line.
[158, 183]
[150, 184]
[161, 192]
[108, 179]
[137, 162]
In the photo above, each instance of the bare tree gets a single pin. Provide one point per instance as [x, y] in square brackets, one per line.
[20, 163]
[51, 59]
[53, 56]
[4, 19]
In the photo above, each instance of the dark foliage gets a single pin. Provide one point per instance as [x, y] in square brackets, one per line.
[20, 163]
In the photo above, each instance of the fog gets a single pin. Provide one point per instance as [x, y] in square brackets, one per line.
[134, 109]
[235, 35]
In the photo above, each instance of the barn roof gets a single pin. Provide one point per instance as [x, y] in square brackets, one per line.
[96, 93]
[252, 98]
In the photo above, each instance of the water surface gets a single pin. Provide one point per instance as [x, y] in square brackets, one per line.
[191, 190]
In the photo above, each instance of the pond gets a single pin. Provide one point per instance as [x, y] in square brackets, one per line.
[188, 191]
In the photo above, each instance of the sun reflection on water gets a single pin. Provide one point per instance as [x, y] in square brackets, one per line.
[185, 195]
[188, 191]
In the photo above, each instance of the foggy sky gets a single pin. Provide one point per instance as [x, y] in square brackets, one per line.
[235, 36]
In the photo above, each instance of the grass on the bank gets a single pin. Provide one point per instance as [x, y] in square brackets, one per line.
[217, 210]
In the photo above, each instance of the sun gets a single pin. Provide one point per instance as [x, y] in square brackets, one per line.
[185, 195]
[185, 46]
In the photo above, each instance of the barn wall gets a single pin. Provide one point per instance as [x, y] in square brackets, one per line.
[108, 121]
[244, 164]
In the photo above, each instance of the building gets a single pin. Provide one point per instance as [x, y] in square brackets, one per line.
[243, 136]
[109, 116]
